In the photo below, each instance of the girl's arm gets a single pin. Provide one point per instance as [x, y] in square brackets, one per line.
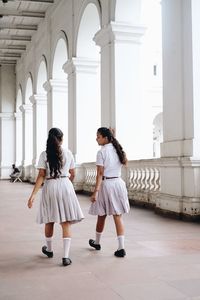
[100, 171]
[72, 174]
[39, 182]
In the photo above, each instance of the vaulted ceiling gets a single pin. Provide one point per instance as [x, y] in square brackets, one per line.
[19, 20]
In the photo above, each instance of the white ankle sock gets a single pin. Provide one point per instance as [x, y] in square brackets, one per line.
[98, 237]
[49, 243]
[66, 247]
[120, 242]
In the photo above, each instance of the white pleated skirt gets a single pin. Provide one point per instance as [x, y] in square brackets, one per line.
[112, 198]
[59, 202]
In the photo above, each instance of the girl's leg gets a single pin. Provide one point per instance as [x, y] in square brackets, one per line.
[49, 229]
[66, 243]
[47, 250]
[49, 234]
[119, 224]
[100, 223]
[120, 235]
[99, 229]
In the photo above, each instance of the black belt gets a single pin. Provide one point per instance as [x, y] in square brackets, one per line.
[63, 176]
[104, 177]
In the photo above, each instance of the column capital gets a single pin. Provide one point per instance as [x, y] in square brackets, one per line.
[81, 65]
[119, 32]
[18, 115]
[40, 99]
[7, 115]
[26, 108]
[57, 85]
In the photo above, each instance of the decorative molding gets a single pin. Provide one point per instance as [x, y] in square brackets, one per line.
[177, 148]
[179, 162]
[39, 99]
[7, 116]
[18, 115]
[81, 65]
[27, 108]
[119, 32]
[56, 85]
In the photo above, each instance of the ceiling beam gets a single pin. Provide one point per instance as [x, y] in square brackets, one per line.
[13, 47]
[37, 1]
[24, 38]
[5, 12]
[7, 56]
[7, 62]
[2, 54]
[18, 27]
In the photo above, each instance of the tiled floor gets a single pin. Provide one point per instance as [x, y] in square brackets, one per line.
[162, 262]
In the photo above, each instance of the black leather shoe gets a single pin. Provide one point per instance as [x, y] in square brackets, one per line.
[96, 246]
[120, 253]
[66, 261]
[47, 253]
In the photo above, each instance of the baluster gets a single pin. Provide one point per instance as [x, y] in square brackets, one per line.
[147, 179]
[143, 176]
[94, 175]
[152, 177]
[157, 179]
[135, 181]
[139, 183]
[130, 179]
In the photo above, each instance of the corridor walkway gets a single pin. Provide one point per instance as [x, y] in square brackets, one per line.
[162, 262]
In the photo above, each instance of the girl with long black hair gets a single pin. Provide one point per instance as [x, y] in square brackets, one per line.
[58, 203]
[110, 193]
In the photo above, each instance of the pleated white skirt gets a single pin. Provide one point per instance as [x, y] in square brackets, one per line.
[112, 198]
[59, 202]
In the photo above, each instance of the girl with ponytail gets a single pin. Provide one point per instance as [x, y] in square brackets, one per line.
[58, 203]
[110, 193]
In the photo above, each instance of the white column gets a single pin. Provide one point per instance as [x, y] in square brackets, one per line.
[57, 105]
[84, 107]
[18, 138]
[180, 151]
[7, 144]
[122, 106]
[27, 156]
[39, 102]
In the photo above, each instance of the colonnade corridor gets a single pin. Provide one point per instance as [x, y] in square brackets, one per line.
[162, 262]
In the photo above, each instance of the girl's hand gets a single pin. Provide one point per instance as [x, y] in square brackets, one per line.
[30, 202]
[94, 196]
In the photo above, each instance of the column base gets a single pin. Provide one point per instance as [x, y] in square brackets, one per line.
[182, 208]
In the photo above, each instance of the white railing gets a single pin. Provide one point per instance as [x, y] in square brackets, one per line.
[142, 179]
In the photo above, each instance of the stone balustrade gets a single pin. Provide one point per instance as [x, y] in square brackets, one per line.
[142, 179]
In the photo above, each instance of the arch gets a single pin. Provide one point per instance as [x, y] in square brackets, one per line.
[19, 100]
[127, 11]
[89, 24]
[41, 76]
[28, 89]
[87, 80]
[60, 56]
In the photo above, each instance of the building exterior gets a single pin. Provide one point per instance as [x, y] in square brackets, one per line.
[79, 68]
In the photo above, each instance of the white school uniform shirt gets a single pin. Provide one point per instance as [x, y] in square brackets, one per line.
[68, 163]
[108, 158]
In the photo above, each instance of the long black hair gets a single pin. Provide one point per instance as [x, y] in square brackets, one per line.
[106, 132]
[54, 151]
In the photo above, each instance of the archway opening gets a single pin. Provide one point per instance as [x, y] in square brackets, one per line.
[59, 105]
[88, 106]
